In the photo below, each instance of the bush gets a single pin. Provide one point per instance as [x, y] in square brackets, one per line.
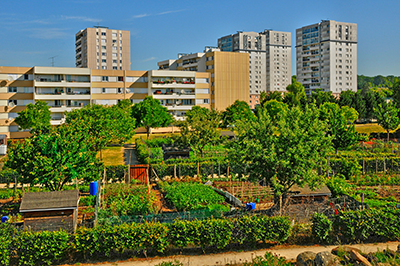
[321, 227]
[41, 248]
[87, 201]
[268, 260]
[116, 172]
[7, 234]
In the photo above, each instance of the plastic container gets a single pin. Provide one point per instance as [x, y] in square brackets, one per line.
[94, 188]
[250, 206]
[4, 219]
[3, 149]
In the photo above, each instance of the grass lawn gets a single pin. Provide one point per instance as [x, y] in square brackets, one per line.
[113, 155]
[371, 128]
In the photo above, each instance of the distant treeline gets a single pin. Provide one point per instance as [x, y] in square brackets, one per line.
[376, 82]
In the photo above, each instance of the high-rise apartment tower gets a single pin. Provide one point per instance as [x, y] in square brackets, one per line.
[326, 56]
[103, 48]
[269, 59]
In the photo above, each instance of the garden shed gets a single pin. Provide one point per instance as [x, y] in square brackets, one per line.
[50, 211]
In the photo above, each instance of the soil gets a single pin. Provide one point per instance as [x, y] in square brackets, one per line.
[384, 191]
[161, 203]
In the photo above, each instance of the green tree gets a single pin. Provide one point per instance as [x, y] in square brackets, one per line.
[54, 159]
[275, 109]
[370, 103]
[387, 116]
[359, 104]
[267, 96]
[102, 124]
[396, 92]
[347, 98]
[285, 152]
[35, 117]
[151, 114]
[200, 128]
[343, 135]
[238, 111]
[320, 97]
[295, 95]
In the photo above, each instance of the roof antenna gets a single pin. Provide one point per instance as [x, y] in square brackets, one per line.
[52, 60]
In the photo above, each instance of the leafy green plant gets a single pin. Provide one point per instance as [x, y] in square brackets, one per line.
[321, 227]
[269, 259]
[191, 196]
[87, 201]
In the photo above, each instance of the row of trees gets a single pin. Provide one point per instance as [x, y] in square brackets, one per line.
[54, 156]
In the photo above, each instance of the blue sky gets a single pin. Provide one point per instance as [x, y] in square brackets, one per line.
[34, 31]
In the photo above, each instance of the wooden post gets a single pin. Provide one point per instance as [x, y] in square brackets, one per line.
[148, 179]
[363, 167]
[227, 173]
[219, 170]
[376, 166]
[198, 169]
[384, 165]
[174, 170]
[128, 178]
[280, 205]
[15, 186]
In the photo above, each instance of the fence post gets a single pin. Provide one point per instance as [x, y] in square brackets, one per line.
[219, 169]
[376, 165]
[198, 169]
[384, 165]
[363, 166]
[174, 170]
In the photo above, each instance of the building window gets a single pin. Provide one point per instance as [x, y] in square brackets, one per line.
[103, 34]
[119, 90]
[12, 102]
[26, 77]
[206, 101]
[104, 54]
[104, 60]
[103, 90]
[120, 78]
[104, 78]
[115, 68]
[104, 47]
[12, 89]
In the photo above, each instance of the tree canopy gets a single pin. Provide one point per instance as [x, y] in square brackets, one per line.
[200, 128]
[102, 124]
[285, 152]
[387, 115]
[35, 117]
[295, 95]
[343, 135]
[54, 159]
[238, 111]
[151, 114]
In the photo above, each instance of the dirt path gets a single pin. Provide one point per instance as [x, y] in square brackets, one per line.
[290, 253]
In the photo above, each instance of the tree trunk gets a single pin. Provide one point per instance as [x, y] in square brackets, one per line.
[148, 132]
[388, 135]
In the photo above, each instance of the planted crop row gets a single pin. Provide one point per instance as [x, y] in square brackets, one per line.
[191, 196]
[48, 248]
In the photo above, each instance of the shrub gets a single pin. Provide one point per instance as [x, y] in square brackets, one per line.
[7, 234]
[41, 248]
[116, 172]
[87, 201]
[321, 227]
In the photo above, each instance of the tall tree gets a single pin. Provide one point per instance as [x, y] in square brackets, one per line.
[238, 111]
[396, 92]
[359, 104]
[320, 97]
[200, 128]
[54, 159]
[342, 134]
[271, 95]
[347, 98]
[387, 115]
[285, 152]
[370, 103]
[295, 94]
[275, 109]
[151, 114]
[35, 117]
[102, 124]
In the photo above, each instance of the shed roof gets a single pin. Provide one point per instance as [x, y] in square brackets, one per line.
[54, 200]
[296, 191]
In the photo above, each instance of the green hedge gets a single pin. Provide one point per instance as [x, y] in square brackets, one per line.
[142, 153]
[116, 172]
[354, 226]
[46, 248]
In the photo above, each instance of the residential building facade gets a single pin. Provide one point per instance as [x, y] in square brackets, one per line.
[326, 56]
[103, 48]
[269, 59]
[66, 89]
[229, 74]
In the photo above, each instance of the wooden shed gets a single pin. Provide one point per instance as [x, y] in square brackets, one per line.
[50, 211]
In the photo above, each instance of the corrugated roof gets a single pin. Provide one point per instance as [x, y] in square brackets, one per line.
[49, 200]
[296, 191]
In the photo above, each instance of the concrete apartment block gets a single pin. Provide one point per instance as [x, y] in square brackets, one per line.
[326, 56]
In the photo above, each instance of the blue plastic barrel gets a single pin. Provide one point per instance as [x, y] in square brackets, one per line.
[250, 206]
[94, 188]
[4, 219]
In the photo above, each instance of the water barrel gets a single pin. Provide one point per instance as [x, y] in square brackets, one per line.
[94, 188]
[250, 206]
[3, 149]
[4, 219]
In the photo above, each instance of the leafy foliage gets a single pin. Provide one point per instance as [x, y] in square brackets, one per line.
[295, 95]
[284, 152]
[200, 128]
[35, 117]
[191, 196]
[238, 111]
[321, 227]
[387, 115]
[54, 159]
[151, 114]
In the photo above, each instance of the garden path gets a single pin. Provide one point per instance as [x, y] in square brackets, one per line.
[290, 253]
[130, 157]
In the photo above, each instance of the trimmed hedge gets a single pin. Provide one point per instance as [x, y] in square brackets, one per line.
[46, 248]
[355, 226]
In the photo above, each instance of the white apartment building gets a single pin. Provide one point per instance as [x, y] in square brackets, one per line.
[326, 56]
[269, 59]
